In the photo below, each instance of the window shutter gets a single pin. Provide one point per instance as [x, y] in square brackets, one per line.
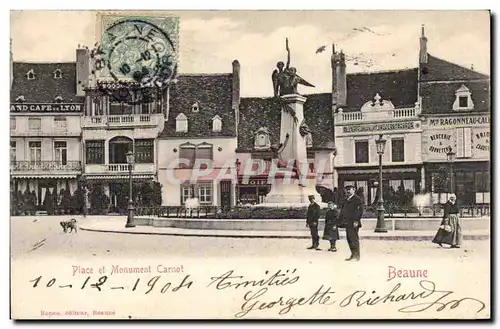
[467, 142]
[459, 138]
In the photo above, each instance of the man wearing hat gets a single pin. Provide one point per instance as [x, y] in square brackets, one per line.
[313, 213]
[350, 219]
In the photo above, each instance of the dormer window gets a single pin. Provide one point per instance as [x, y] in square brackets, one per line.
[20, 99]
[463, 99]
[195, 107]
[216, 124]
[58, 99]
[262, 140]
[30, 75]
[57, 74]
[309, 140]
[181, 123]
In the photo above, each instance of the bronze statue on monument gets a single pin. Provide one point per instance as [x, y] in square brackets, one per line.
[285, 78]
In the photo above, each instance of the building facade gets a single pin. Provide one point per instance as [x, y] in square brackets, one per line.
[197, 146]
[424, 113]
[455, 119]
[373, 104]
[45, 134]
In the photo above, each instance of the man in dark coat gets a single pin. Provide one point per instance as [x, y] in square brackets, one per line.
[313, 213]
[350, 219]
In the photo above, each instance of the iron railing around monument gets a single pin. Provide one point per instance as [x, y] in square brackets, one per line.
[245, 212]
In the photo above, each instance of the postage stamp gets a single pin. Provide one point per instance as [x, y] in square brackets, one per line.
[336, 169]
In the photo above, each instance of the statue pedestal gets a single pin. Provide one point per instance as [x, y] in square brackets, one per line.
[289, 191]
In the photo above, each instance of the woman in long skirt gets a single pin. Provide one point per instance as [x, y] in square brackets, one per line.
[450, 231]
[331, 231]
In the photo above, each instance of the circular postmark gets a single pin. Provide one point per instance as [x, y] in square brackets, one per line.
[136, 57]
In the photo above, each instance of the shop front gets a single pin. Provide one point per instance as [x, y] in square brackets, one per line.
[395, 179]
[252, 191]
[456, 151]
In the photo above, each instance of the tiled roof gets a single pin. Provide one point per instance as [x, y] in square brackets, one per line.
[439, 98]
[399, 87]
[44, 88]
[213, 93]
[438, 69]
[265, 112]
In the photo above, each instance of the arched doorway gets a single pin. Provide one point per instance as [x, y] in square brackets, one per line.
[118, 148]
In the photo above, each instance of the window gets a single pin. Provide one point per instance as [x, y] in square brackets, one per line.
[12, 123]
[35, 124]
[96, 106]
[60, 153]
[204, 151]
[195, 107]
[20, 99]
[60, 124]
[361, 151]
[205, 193]
[398, 149]
[35, 151]
[187, 192]
[190, 153]
[13, 151]
[181, 123]
[262, 140]
[216, 124]
[309, 140]
[145, 108]
[144, 151]
[57, 74]
[58, 99]
[463, 101]
[30, 75]
[187, 153]
[94, 152]
[120, 108]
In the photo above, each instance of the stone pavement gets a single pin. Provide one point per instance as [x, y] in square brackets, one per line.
[117, 225]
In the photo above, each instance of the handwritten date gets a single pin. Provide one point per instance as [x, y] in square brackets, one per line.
[137, 285]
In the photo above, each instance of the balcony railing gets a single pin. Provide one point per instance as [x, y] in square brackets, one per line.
[404, 113]
[411, 112]
[119, 168]
[45, 166]
[122, 120]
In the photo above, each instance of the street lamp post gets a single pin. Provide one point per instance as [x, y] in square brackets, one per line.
[130, 217]
[451, 158]
[380, 142]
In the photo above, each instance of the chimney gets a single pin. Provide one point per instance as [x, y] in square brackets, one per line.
[82, 70]
[334, 80]
[339, 79]
[423, 47]
[11, 65]
[236, 92]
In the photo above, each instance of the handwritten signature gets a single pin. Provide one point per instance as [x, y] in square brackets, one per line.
[360, 298]
[440, 300]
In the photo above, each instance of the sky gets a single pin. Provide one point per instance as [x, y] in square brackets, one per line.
[211, 40]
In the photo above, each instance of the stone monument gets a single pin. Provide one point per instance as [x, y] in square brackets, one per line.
[294, 186]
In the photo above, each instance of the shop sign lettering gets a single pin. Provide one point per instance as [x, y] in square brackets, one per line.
[470, 120]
